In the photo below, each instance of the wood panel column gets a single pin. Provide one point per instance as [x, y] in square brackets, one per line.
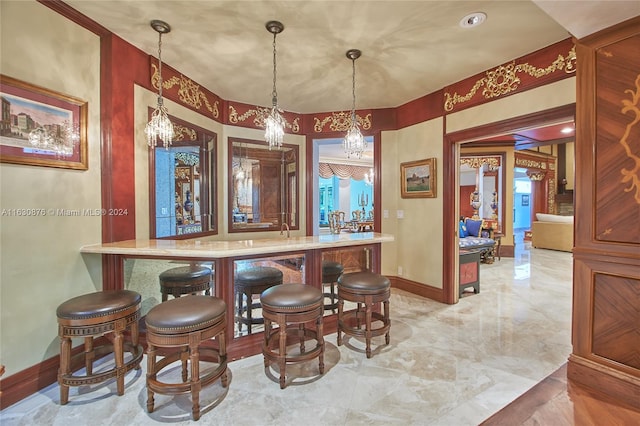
[606, 318]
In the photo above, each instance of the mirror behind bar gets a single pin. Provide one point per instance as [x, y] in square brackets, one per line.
[263, 190]
[182, 184]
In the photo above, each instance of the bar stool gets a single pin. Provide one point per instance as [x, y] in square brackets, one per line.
[331, 271]
[291, 306]
[248, 283]
[92, 315]
[181, 326]
[368, 289]
[185, 280]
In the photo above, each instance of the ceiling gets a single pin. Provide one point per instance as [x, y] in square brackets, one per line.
[409, 48]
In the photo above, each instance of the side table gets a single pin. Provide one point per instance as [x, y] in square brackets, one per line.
[469, 270]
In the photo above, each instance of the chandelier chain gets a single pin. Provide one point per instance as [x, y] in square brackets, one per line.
[353, 90]
[274, 93]
[160, 67]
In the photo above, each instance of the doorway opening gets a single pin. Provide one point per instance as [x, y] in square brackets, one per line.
[341, 184]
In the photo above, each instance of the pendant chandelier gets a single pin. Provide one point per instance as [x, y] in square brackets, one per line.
[160, 127]
[274, 122]
[354, 143]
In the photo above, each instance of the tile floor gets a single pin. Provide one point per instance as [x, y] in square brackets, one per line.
[446, 365]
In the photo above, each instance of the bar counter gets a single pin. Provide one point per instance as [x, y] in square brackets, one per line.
[210, 248]
[224, 254]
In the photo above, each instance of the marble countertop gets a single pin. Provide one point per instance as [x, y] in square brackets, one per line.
[210, 248]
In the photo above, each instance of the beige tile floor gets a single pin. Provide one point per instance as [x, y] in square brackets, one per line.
[446, 365]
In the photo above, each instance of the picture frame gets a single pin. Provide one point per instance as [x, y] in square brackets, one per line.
[525, 200]
[418, 179]
[33, 113]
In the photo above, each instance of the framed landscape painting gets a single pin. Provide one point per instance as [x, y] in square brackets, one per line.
[40, 127]
[418, 179]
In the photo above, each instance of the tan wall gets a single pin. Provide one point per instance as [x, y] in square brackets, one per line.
[40, 259]
[418, 246]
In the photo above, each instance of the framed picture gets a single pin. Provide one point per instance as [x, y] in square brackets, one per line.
[40, 127]
[418, 179]
[525, 200]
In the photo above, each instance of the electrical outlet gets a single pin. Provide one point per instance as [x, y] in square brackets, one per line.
[164, 211]
[399, 271]
[385, 214]
[400, 214]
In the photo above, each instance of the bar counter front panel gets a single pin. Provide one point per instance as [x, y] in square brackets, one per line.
[137, 264]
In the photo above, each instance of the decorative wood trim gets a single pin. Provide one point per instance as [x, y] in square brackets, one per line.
[612, 382]
[418, 289]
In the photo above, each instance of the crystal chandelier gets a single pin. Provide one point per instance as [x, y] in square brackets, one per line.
[274, 122]
[160, 127]
[354, 143]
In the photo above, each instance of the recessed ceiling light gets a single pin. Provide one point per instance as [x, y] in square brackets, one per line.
[473, 20]
[567, 130]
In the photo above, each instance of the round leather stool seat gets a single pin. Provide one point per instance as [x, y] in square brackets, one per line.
[185, 280]
[364, 281]
[331, 271]
[250, 282]
[179, 327]
[98, 304]
[366, 289]
[291, 307]
[290, 297]
[92, 315]
[258, 276]
[184, 316]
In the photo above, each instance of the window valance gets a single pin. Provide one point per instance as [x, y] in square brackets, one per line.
[343, 171]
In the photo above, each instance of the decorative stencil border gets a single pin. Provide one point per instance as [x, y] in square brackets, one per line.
[259, 115]
[182, 89]
[505, 79]
[340, 122]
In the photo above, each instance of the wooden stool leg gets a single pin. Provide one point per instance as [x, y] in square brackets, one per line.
[65, 368]
[249, 311]
[239, 310]
[340, 313]
[301, 336]
[222, 353]
[89, 355]
[195, 374]
[118, 353]
[151, 374]
[367, 324]
[320, 337]
[184, 357]
[135, 338]
[267, 336]
[333, 298]
[387, 336]
[282, 355]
